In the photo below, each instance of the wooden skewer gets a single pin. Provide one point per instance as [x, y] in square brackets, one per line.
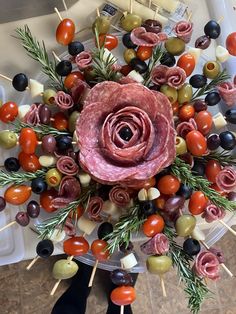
[98, 13]
[220, 19]
[163, 286]
[228, 227]
[56, 56]
[131, 6]
[93, 274]
[32, 262]
[122, 308]
[150, 3]
[58, 14]
[8, 225]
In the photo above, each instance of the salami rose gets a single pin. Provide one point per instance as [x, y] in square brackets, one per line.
[184, 30]
[183, 128]
[212, 213]
[111, 112]
[175, 77]
[207, 265]
[67, 166]
[227, 92]
[140, 37]
[94, 208]
[158, 75]
[64, 101]
[157, 245]
[83, 60]
[119, 196]
[226, 179]
[218, 253]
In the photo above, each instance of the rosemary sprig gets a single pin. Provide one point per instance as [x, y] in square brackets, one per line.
[156, 56]
[19, 177]
[224, 158]
[124, 228]
[221, 77]
[38, 52]
[182, 171]
[195, 288]
[42, 129]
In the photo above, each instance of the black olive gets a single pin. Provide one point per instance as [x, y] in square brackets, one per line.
[64, 67]
[104, 230]
[63, 143]
[152, 26]
[232, 196]
[213, 142]
[33, 209]
[185, 191]
[198, 81]
[22, 218]
[230, 116]
[38, 185]
[75, 47]
[121, 277]
[127, 42]
[138, 65]
[198, 169]
[147, 208]
[126, 248]
[2, 203]
[45, 248]
[20, 82]
[12, 164]
[227, 140]
[168, 59]
[199, 105]
[212, 29]
[191, 247]
[212, 98]
[126, 133]
[45, 114]
[203, 42]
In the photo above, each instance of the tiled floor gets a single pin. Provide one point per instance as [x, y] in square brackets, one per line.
[27, 292]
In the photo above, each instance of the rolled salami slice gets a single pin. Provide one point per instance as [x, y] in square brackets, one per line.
[64, 101]
[184, 30]
[218, 253]
[79, 91]
[84, 60]
[94, 208]
[140, 37]
[226, 179]
[175, 77]
[119, 196]
[158, 75]
[67, 166]
[183, 128]
[157, 245]
[207, 265]
[69, 227]
[227, 92]
[212, 213]
[32, 116]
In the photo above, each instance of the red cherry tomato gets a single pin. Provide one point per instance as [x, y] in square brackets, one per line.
[17, 194]
[153, 225]
[28, 140]
[196, 143]
[46, 200]
[186, 112]
[29, 162]
[217, 189]
[144, 53]
[60, 121]
[168, 184]
[76, 246]
[111, 41]
[204, 122]
[123, 295]
[78, 213]
[99, 250]
[72, 78]
[231, 43]
[8, 112]
[65, 32]
[187, 63]
[125, 69]
[197, 203]
[175, 108]
[212, 169]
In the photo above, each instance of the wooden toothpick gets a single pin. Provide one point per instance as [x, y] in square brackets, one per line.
[228, 227]
[150, 3]
[220, 19]
[32, 262]
[190, 16]
[98, 13]
[8, 225]
[58, 14]
[163, 286]
[93, 274]
[56, 56]
[155, 14]
[131, 6]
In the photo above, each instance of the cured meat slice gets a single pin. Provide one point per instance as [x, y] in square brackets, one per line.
[207, 265]
[69, 227]
[140, 37]
[226, 179]
[184, 30]
[79, 91]
[67, 166]
[126, 80]
[158, 75]
[212, 213]
[157, 245]
[218, 253]
[94, 208]
[119, 196]
[32, 116]
[227, 92]
[183, 128]
[176, 77]
[84, 60]
[64, 101]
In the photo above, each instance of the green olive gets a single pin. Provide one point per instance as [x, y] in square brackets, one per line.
[49, 96]
[53, 177]
[8, 139]
[185, 225]
[64, 269]
[72, 120]
[131, 21]
[185, 93]
[180, 145]
[102, 24]
[129, 54]
[211, 69]
[175, 46]
[159, 264]
[170, 92]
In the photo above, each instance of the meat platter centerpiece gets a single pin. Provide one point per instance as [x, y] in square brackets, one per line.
[125, 146]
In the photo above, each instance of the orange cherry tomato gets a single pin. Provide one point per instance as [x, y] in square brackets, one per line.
[17, 194]
[123, 295]
[144, 53]
[168, 184]
[29, 162]
[197, 203]
[125, 69]
[76, 246]
[175, 108]
[196, 143]
[153, 225]
[186, 112]
[8, 112]
[28, 140]
[60, 121]
[187, 63]
[46, 200]
[99, 250]
[65, 32]
[204, 122]
[109, 41]
[72, 78]
[212, 169]
[78, 213]
[231, 43]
